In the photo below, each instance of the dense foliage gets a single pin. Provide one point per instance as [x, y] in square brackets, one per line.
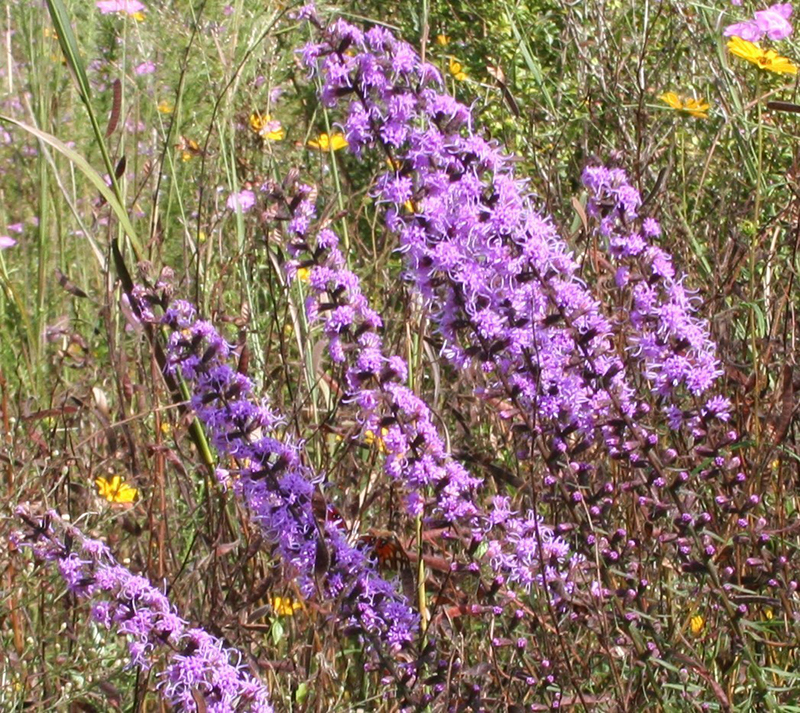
[431, 357]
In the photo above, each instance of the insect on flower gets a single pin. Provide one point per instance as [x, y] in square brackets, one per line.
[324, 142]
[386, 550]
[116, 490]
[697, 108]
[769, 60]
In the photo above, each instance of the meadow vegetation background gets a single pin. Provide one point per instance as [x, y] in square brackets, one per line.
[661, 552]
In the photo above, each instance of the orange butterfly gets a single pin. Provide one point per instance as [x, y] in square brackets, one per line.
[386, 550]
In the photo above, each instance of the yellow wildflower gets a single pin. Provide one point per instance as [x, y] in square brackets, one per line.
[285, 606]
[138, 16]
[266, 127]
[323, 142]
[687, 105]
[189, 148]
[442, 40]
[457, 70]
[369, 439]
[115, 490]
[166, 428]
[303, 274]
[165, 107]
[697, 624]
[764, 59]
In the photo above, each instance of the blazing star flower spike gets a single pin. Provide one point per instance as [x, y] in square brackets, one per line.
[197, 663]
[277, 487]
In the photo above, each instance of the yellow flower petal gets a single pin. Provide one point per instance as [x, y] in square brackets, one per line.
[115, 490]
[369, 439]
[275, 134]
[266, 127]
[768, 60]
[691, 106]
[323, 142]
[744, 49]
[696, 624]
[672, 99]
[285, 606]
[457, 70]
[165, 107]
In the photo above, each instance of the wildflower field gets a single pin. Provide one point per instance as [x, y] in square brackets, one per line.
[410, 356]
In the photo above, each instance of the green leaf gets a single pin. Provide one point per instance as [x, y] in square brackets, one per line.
[276, 632]
[69, 46]
[302, 693]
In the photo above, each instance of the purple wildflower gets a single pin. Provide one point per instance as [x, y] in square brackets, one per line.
[672, 345]
[244, 200]
[196, 661]
[502, 284]
[144, 68]
[277, 487]
[127, 7]
[773, 23]
[415, 452]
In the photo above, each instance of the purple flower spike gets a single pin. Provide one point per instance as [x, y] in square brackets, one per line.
[196, 661]
[277, 487]
[672, 345]
[415, 452]
[501, 284]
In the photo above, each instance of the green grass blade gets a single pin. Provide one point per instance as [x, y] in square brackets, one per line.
[83, 165]
[69, 46]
